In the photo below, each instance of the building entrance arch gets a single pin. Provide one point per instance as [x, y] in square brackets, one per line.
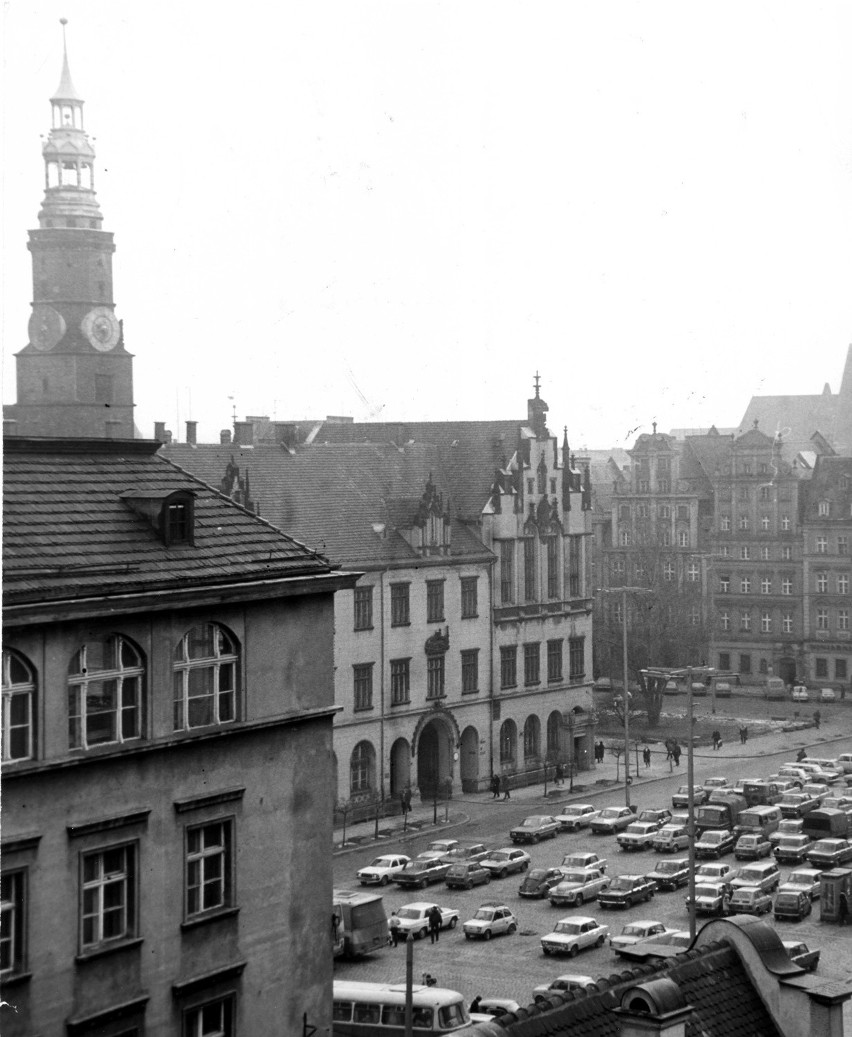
[470, 760]
[400, 767]
[434, 759]
[787, 669]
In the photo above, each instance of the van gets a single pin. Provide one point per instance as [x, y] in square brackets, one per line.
[765, 875]
[775, 688]
[761, 820]
[844, 760]
[827, 823]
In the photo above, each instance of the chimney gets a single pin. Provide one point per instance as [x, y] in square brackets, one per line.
[225, 436]
[653, 1009]
[160, 431]
[191, 432]
[244, 433]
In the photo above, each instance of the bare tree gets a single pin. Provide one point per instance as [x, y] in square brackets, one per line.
[617, 751]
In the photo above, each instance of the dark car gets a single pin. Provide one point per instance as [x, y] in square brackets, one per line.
[660, 816]
[670, 874]
[830, 853]
[714, 843]
[419, 873]
[466, 875]
[532, 829]
[540, 881]
[626, 890]
[792, 904]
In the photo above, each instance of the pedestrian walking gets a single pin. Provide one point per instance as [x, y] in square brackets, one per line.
[601, 752]
[726, 904]
[802, 754]
[745, 735]
[402, 805]
[742, 739]
[393, 929]
[407, 799]
[717, 739]
[505, 787]
[676, 754]
[646, 756]
[843, 908]
[495, 786]
[669, 747]
[817, 718]
[434, 924]
[560, 774]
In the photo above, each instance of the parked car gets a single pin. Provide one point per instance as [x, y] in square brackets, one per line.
[670, 874]
[800, 954]
[466, 875]
[492, 919]
[681, 797]
[818, 789]
[574, 816]
[658, 815]
[466, 851]
[562, 985]
[503, 862]
[827, 695]
[710, 785]
[419, 873]
[540, 881]
[792, 905]
[750, 900]
[752, 847]
[494, 1007]
[533, 829]
[413, 918]
[717, 871]
[800, 693]
[574, 934]
[715, 843]
[438, 848]
[633, 932]
[577, 886]
[670, 839]
[709, 897]
[626, 890]
[803, 880]
[584, 860]
[788, 826]
[764, 874]
[658, 948]
[638, 836]
[792, 849]
[830, 853]
[723, 689]
[612, 819]
[382, 869]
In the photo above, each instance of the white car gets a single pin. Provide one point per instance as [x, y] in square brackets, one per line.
[635, 931]
[638, 836]
[562, 984]
[574, 816]
[577, 887]
[491, 919]
[503, 862]
[613, 819]
[381, 870]
[803, 880]
[413, 918]
[437, 849]
[571, 935]
[712, 784]
[800, 693]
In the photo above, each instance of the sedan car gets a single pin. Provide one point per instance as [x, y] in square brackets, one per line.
[803, 880]
[797, 804]
[571, 935]
[534, 828]
[438, 848]
[626, 890]
[714, 843]
[670, 874]
[792, 849]
[633, 932]
[659, 815]
[503, 862]
[657, 948]
[492, 919]
[751, 847]
[574, 816]
[710, 785]
[750, 900]
[612, 819]
[710, 898]
[789, 826]
[818, 789]
[681, 797]
[670, 839]
[638, 836]
[419, 873]
[577, 887]
[466, 875]
[799, 954]
[413, 918]
[539, 881]
[717, 871]
[584, 860]
[562, 985]
[830, 853]
[793, 905]
[382, 869]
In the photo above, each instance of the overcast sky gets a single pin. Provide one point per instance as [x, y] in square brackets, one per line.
[401, 210]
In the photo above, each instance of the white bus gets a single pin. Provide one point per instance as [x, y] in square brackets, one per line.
[378, 1010]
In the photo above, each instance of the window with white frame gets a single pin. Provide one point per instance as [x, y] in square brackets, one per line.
[724, 584]
[209, 867]
[19, 700]
[400, 681]
[764, 552]
[212, 1019]
[745, 585]
[822, 619]
[641, 511]
[843, 619]
[843, 545]
[785, 523]
[108, 896]
[206, 666]
[765, 493]
[766, 622]
[842, 583]
[725, 551]
[693, 571]
[787, 622]
[362, 768]
[822, 582]
[725, 620]
[683, 538]
[725, 523]
[625, 538]
[665, 511]
[666, 537]
[13, 922]
[105, 693]
[766, 585]
[668, 571]
[765, 523]
[617, 566]
[787, 553]
[786, 585]
[743, 521]
[824, 508]
[745, 552]
[822, 545]
[745, 621]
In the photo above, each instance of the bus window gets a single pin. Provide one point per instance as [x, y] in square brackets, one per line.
[342, 1011]
[422, 1018]
[366, 1013]
[452, 1015]
[393, 1015]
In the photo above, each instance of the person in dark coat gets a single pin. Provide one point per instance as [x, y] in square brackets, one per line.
[407, 798]
[495, 786]
[843, 908]
[646, 756]
[434, 924]
[676, 754]
[717, 739]
[560, 774]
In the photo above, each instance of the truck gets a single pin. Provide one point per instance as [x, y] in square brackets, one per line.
[724, 812]
[827, 824]
[359, 923]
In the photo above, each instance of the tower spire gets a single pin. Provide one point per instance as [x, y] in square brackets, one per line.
[65, 91]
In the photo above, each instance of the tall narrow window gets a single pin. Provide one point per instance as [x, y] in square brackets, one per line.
[12, 922]
[400, 681]
[108, 896]
[362, 768]
[434, 601]
[529, 570]
[554, 660]
[400, 609]
[532, 738]
[532, 663]
[209, 867]
[205, 678]
[18, 707]
[576, 658]
[507, 572]
[469, 603]
[363, 608]
[104, 693]
[362, 676]
[574, 566]
[470, 671]
[552, 567]
[435, 677]
[787, 622]
[508, 666]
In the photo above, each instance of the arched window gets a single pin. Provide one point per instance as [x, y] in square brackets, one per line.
[362, 768]
[105, 693]
[554, 722]
[532, 737]
[18, 707]
[205, 677]
[508, 741]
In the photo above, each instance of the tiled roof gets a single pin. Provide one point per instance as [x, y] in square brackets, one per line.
[796, 417]
[709, 451]
[336, 497]
[713, 981]
[67, 531]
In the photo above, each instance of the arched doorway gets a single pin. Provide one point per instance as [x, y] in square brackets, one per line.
[434, 759]
[532, 739]
[470, 760]
[787, 669]
[508, 744]
[400, 766]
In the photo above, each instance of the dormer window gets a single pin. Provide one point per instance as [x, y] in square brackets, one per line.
[824, 508]
[171, 515]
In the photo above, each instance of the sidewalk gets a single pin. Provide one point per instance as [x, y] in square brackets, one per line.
[591, 783]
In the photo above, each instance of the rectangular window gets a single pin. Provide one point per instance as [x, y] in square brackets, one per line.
[12, 922]
[668, 571]
[843, 619]
[743, 522]
[692, 572]
[509, 666]
[400, 681]
[822, 583]
[664, 485]
[843, 545]
[745, 664]
[725, 523]
[787, 586]
[18, 724]
[362, 678]
[400, 604]
[785, 523]
[724, 660]
[209, 868]
[618, 567]
[470, 671]
[824, 508]
[766, 585]
[787, 553]
[625, 538]
[787, 622]
[214, 1019]
[666, 537]
[529, 569]
[764, 523]
[363, 608]
[624, 512]
[576, 658]
[107, 896]
[725, 551]
[683, 538]
[724, 584]
[745, 552]
[821, 667]
[552, 567]
[842, 583]
[822, 545]
[840, 672]
[575, 545]
[554, 660]
[725, 620]
[745, 585]
[507, 572]
[683, 512]
[745, 621]
[469, 603]
[765, 623]
[822, 619]
[665, 511]
[435, 677]
[644, 485]
[532, 663]
[434, 601]
[764, 552]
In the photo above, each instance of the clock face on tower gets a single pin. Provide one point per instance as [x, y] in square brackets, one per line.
[46, 327]
[101, 328]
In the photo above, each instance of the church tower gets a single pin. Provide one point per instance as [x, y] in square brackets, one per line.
[74, 377]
